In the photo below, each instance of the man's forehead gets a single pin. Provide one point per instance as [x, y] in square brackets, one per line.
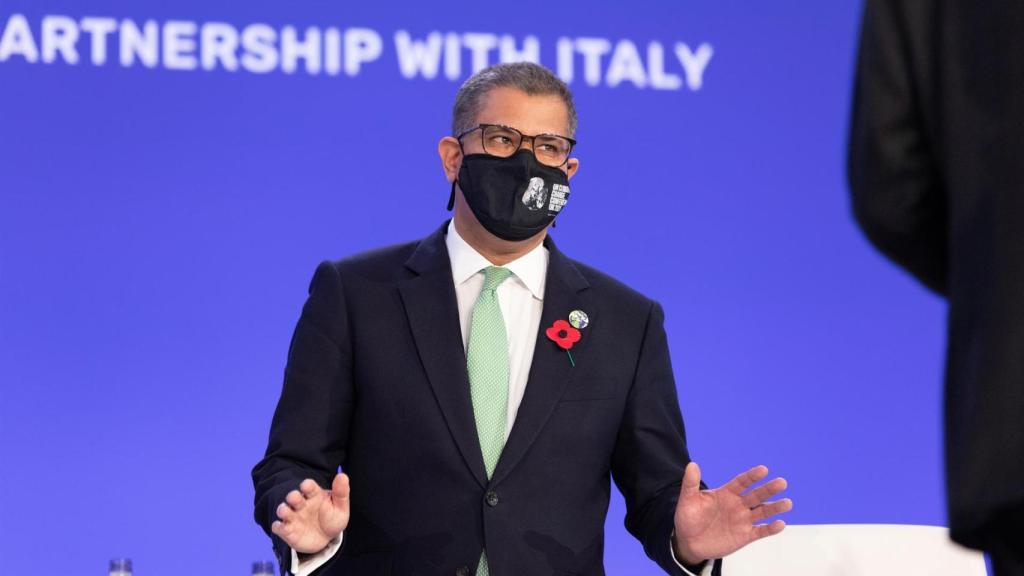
[528, 113]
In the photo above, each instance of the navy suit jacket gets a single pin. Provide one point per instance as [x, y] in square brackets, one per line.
[376, 383]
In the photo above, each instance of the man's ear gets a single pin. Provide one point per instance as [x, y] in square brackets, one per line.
[451, 157]
[572, 166]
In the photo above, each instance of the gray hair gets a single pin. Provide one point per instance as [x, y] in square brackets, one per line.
[531, 78]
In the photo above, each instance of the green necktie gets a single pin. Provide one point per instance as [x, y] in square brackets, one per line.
[487, 364]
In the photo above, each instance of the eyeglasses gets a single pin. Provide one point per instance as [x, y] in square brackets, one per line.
[503, 141]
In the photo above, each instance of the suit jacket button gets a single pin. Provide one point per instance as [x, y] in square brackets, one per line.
[462, 571]
[492, 498]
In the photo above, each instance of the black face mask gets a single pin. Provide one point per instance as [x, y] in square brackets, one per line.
[514, 198]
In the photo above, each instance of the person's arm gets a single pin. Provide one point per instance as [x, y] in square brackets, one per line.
[895, 181]
[309, 431]
[650, 452]
[650, 456]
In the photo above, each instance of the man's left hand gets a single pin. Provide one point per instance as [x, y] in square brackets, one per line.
[715, 523]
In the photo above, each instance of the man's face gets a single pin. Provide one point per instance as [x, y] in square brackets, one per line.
[530, 114]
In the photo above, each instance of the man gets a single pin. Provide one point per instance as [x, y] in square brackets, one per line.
[476, 427]
[937, 179]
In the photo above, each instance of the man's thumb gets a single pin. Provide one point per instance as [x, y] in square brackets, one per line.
[691, 480]
[340, 491]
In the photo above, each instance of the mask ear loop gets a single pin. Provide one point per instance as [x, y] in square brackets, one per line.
[554, 223]
[451, 197]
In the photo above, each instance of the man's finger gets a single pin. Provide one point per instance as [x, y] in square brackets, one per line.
[282, 529]
[285, 512]
[769, 509]
[691, 481]
[285, 531]
[740, 483]
[296, 500]
[764, 492]
[277, 527]
[309, 488]
[340, 490]
[765, 530]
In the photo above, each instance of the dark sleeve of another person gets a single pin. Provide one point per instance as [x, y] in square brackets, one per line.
[895, 181]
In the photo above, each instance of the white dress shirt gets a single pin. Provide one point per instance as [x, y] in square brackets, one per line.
[521, 299]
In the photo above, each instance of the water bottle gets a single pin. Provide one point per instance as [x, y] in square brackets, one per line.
[262, 569]
[120, 567]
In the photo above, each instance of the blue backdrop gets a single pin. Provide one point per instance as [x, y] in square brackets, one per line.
[162, 211]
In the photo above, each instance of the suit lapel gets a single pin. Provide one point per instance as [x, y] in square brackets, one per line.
[433, 313]
[551, 370]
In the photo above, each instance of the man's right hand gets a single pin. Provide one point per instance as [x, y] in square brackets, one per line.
[310, 517]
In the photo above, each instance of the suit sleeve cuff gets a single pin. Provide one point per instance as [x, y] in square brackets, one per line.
[705, 569]
[309, 565]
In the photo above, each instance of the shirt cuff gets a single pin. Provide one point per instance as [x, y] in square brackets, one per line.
[307, 566]
[709, 565]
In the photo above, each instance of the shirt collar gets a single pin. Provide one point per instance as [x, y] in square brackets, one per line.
[530, 268]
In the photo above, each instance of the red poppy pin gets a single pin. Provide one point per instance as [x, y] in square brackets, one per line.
[565, 336]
